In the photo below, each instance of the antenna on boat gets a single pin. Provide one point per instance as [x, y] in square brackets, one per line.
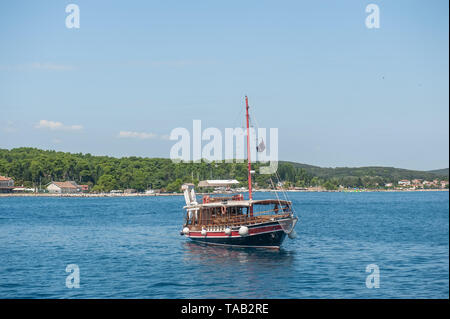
[250, 197]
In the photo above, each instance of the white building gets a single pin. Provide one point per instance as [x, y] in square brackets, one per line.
[63, 188]
[404, 182]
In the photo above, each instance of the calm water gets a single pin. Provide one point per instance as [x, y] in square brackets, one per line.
[131, 248]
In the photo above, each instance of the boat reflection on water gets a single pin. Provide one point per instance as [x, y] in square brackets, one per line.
[259, 257]
[228, 272]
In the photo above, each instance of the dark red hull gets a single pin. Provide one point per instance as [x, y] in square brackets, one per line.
[268, 235]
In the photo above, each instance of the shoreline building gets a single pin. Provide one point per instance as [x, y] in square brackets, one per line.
[404, 182]
[84, 188]
[6, 184]
[64, 188]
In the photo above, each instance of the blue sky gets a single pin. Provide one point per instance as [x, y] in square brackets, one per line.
[339, 93]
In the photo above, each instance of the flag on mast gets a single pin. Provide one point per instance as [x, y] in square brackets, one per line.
[261, 146]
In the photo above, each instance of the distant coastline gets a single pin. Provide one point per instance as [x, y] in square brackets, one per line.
[84, 195]
[31, 170]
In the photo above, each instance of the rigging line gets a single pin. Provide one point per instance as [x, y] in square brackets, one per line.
[276, 193]
[238, 118]
[284, 193]
[255, 125]
[276, 173]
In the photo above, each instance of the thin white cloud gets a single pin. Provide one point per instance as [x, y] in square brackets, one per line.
[177, 63]
[51, 66]
[39, 66]
[139, 135]
[9, 127]
[165, 137]
[52, 125]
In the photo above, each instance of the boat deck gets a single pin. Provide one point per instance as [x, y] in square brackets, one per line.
[239, 221]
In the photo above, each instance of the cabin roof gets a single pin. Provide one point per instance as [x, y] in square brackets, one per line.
[242, 203]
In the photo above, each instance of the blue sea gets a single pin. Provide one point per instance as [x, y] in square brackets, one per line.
[131, 248]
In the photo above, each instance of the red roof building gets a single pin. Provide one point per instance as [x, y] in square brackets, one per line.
[63, 187]
[6, 184]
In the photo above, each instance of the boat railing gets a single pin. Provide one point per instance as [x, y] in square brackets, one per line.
[208, 199]
[244, 219]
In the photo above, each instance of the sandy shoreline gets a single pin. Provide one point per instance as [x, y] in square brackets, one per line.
[181, 194]
[86, 195]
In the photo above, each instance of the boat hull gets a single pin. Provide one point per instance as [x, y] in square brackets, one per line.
[269, 235]
[267, 240]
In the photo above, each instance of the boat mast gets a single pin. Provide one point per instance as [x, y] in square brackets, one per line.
[248, 155]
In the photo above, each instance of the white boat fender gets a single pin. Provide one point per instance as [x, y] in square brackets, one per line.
[227, 231]
[292, 234]
[203, 232]
[185, 230]
[243, 231]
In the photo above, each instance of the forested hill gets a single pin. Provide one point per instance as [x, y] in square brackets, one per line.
[443, 172]
[31, 166]
[385, 172]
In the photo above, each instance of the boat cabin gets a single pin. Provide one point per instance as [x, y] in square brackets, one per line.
[219, 212]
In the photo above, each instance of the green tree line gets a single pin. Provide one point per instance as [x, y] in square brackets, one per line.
[34, 167]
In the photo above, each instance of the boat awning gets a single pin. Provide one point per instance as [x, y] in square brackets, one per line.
[241, 203]
[271, 201]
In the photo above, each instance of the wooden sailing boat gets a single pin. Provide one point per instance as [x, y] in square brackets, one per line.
[235, 221]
